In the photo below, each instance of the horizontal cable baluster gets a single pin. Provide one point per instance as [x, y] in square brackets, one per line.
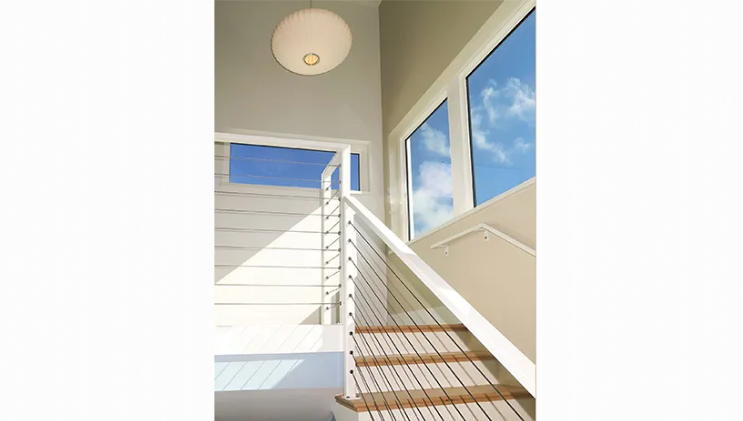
[230, 229]
[276, 213]
[406, 338]
[333, 197]
[268, 177]
[246, 158]
[277, 304]
[334, 241]
[270, 196]
[276, 267]
[277, 285]
[271, 248]
[436, 321]
[336, 224]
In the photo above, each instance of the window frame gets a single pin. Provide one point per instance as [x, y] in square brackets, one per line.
[224, 140]
[452, 87]
[408, 168]
[469, 119]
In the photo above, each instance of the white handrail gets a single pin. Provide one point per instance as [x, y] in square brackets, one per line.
[488, 229]
[518, 364]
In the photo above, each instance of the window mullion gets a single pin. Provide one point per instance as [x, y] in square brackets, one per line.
[461, 162]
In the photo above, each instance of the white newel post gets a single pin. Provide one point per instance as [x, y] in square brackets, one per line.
[348, 274]
[326, 312]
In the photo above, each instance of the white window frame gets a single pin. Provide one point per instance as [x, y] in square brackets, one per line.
[450, 86]
[222, 142]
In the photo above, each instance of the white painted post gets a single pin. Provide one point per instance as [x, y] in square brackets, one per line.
[326, 312]
[348, 274]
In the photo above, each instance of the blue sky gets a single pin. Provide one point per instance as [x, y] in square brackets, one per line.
[252, 170]
[502, 103]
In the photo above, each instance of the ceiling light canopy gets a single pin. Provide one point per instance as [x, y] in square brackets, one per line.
[311, 41]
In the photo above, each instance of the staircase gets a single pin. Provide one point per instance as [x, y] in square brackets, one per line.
[329, 260]
[430, 372]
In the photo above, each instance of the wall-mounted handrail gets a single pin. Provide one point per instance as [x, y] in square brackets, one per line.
[487, 229]
[518, 364]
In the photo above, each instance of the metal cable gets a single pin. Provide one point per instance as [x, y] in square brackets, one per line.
[334, 241]
[245, 158]
[271, 177]
[406, 364]
[336, 224]
[432, 317]
[277, 213]
[277, 285]
[406, 338]
[432, 345]
[333, 197]
[331, 212]
[230, 229]
[270, 248]
[374, 380]
[277, 304]
[370, 393]
[361, 392]
[379, 368]
[274, 267]
[272, 196]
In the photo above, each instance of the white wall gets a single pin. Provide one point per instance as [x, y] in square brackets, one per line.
[279, 277]
[495, 277]
[254, 94]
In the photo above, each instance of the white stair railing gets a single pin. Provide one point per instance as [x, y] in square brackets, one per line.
[355, 214]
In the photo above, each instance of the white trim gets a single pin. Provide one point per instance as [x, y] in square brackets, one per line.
[488, 229]
[279, 141]
[518, 364]
[360, 147]
[459, 152]
[450, 85]
[472, 211]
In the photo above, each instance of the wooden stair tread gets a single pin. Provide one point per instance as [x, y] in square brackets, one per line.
[411, 328]
[457, 395]
[397, 359]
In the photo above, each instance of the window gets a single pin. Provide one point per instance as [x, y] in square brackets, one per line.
[501, 94]
[288, 167]
[430, 201]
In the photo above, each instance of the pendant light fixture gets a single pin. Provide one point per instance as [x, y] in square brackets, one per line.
[311, 41]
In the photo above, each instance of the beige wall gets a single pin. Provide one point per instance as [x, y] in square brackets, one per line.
[254, 94]
[497, 278]
[418, 41]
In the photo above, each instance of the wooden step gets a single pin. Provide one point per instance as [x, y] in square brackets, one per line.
[411, 328]
[457, 395]
[449, 357]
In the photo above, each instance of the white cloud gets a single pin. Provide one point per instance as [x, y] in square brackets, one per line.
[522, 146]
[514, 99]
[480, 140]
[434, 140]
[432, 198]
[501, 104]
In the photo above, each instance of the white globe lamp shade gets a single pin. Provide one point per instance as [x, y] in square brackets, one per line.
[311, 41]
